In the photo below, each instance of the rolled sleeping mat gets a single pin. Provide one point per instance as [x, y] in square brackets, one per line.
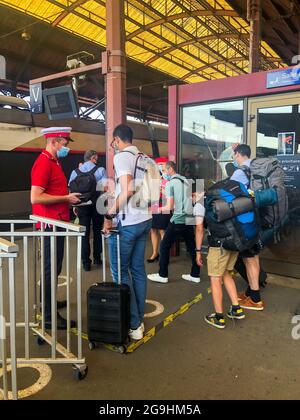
[224, 211]
[265, 198]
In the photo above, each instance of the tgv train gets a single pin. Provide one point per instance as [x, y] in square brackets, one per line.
[21, 142]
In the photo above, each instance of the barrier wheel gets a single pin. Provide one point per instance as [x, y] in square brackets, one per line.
[80, 375]
[121, 349]
[92, 345]
[40, 341]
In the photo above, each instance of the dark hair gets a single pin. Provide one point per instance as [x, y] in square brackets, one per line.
[243, 149]
[171, 164]
[124, 132]
[89, 154]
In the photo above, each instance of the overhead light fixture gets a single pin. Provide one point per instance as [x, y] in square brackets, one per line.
[25, 35]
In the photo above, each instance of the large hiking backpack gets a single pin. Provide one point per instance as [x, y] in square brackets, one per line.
[147, 181]
[85, 183]
[263, 174]
[231, 216]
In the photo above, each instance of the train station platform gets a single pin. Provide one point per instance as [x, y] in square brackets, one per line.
[256, 358]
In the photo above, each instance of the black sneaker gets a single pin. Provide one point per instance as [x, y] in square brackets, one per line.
[97, 262]
[214, 321]
[236, 313]
[86, 266]
[61, 323]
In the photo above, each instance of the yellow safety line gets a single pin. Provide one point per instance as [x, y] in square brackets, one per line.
[154, 330]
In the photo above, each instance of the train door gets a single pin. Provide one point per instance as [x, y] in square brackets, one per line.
[274, 129]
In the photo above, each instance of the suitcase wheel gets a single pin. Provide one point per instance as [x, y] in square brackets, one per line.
[80, 375]
[92, 345]
[121, 349]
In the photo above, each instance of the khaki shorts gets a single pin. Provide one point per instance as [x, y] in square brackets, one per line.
[220, 260]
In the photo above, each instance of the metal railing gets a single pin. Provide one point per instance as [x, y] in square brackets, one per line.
[35, 321]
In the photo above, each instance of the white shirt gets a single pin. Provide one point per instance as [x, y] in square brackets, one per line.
[199, 210]
[124, 164]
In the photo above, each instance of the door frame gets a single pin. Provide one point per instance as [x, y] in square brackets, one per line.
[270, 101]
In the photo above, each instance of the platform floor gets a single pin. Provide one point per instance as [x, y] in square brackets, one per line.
[255, 358]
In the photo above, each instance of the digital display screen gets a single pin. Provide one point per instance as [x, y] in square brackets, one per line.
[60, 103]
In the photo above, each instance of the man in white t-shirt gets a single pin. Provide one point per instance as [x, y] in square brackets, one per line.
[134, 225]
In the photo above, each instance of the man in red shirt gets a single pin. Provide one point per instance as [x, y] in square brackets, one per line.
[50, 198]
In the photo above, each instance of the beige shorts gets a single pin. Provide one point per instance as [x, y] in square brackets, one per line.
[220, 260]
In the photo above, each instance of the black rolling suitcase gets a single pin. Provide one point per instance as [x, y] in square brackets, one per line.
[108, 308]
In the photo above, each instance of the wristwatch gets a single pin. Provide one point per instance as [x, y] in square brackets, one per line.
[198, 250]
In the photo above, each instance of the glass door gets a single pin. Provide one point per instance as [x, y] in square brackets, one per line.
[274, 130]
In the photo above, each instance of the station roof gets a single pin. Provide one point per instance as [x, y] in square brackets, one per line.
[184, 40]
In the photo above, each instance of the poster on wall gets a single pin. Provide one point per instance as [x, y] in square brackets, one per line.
[291, 167]
[286, 144]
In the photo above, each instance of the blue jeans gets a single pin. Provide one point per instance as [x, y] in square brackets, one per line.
[133, 241]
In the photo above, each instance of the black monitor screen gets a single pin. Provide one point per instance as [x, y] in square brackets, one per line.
[60, 103]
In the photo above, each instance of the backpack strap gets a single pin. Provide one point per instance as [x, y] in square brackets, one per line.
[92, 171]
[246, 170]
[78, 171]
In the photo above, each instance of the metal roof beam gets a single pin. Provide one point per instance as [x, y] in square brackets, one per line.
[214, 53]
[67, 11]
[88, 19]
[216, 63]
[182, 15]
[200, 39]
[207, 49]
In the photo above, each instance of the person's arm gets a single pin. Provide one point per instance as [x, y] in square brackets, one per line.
[38, 196]
[199, 239]
[125, 182]
[168, 207]
[169, 193]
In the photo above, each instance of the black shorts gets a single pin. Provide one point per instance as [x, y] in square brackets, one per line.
[160, 221]
[251, 253]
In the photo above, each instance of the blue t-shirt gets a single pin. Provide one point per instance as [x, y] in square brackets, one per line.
[240, 176]
[100, 174]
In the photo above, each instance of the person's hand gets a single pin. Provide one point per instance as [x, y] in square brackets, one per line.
[75, 211]
[74, 198]
[234, 146]
[107, 226]
[199, 259]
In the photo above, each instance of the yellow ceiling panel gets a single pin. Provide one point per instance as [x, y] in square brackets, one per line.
[41, 9]
[165, 33]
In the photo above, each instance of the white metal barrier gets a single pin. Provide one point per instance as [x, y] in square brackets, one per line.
[10, 251]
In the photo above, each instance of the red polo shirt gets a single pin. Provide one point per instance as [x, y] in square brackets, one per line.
[47, 173]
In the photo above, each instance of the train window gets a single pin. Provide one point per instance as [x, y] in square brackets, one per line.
[208, 132]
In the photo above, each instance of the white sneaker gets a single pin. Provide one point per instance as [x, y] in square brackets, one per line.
[136, 334]
[156, 277]
[188, 277]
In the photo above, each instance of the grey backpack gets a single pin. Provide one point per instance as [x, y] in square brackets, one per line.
[265, 173]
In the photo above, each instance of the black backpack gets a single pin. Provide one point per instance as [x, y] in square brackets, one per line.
[231, 216]
[86, 184]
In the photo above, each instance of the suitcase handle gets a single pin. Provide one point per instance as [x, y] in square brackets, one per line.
[118, 255]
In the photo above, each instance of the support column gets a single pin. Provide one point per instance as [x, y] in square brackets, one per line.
[114, 66]
[254, 16]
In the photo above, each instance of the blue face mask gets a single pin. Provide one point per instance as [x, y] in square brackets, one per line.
[235, 164]
[63, 152]
[166, 177]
